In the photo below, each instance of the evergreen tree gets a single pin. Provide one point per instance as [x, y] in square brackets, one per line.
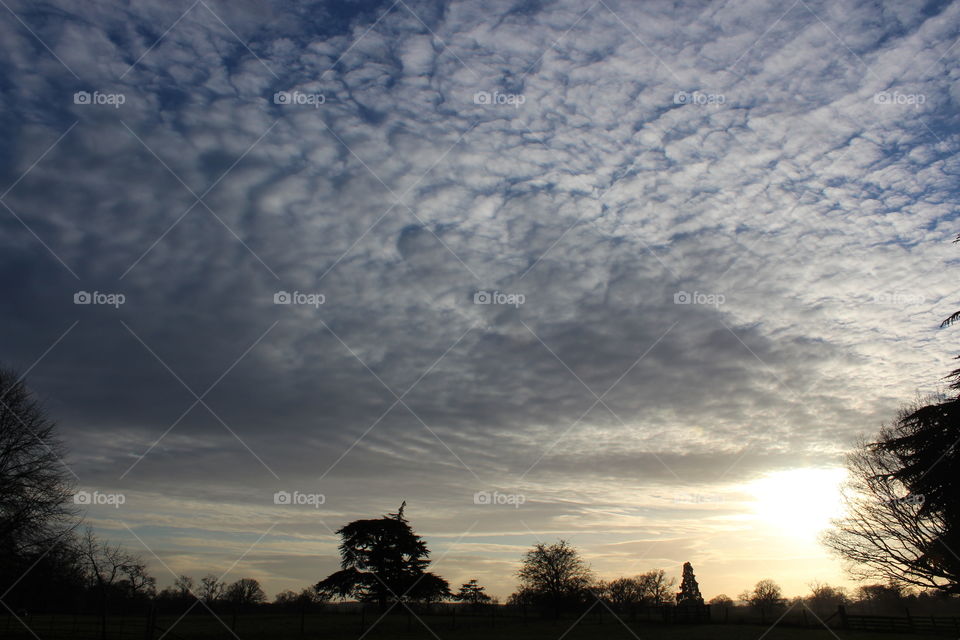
[472, 593]
[383, 560]
[689, 589]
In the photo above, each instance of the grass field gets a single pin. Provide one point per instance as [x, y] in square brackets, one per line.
[266, 626]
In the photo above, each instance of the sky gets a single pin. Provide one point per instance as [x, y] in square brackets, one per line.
[630, 274]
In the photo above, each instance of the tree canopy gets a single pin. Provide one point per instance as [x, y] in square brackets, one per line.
[383, 561]
[554, 575]
[472, 593]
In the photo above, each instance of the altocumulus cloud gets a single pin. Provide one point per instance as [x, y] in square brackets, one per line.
[728, 224]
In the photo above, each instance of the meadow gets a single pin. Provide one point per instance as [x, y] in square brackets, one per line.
[354, 626]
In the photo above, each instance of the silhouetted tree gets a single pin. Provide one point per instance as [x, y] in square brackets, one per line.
[889, 532]
[689, 593]
[183, 585]
[298, 598]
[211, 588]
[924, 444]
[36, 488]
[555, 575]
[472, 593]
[766, 597]
[522, 597]
[622, 594]
[382, 561]
[721, 601]
[824, 599]
[882, 597]
[655, 586]
[108, 569]
[245, 593]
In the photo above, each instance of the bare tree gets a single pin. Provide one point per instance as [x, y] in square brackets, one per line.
[107, 564]
[211, 588]
[184, 585]
[245, 592]
[765, 597]
[137, 582]
[824, 598]
[555, 575]
[36, 487]
[623, 593]
[721, 601]
[887, 534]
[108, 568]
[655, 586]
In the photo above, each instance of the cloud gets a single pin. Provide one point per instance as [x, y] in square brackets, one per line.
[595, 161]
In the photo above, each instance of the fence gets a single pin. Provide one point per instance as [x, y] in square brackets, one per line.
[932, 625]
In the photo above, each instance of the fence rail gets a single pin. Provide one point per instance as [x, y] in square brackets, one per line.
[930, 625]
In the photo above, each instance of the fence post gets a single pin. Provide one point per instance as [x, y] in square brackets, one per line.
[150, 623]
[909, 618]
[844, 622]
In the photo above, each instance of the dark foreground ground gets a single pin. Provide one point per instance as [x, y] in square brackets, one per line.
[352, 627]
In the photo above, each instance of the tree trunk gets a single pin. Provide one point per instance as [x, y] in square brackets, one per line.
[103, 613]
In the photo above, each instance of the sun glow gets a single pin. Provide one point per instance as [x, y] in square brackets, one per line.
[801, 502]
